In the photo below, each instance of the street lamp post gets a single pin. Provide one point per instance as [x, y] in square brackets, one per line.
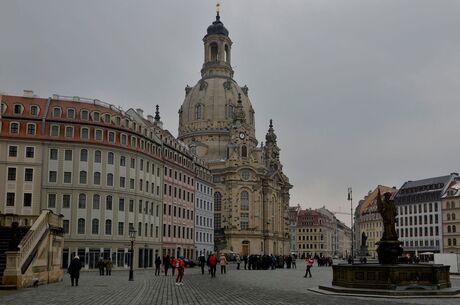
[132, 236]
[350, 198]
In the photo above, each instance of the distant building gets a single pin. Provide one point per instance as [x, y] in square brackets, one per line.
[293, 214]
[419, 221]
[369, 221]
[317, 233]
[451, 217]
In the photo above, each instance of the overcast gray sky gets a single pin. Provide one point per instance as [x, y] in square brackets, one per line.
[361, 92]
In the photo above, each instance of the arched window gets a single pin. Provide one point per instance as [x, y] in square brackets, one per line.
[109, 179]
[14, 128]
[454, 229]
[81, 226]
[213, 51]
[227, 54]
[244, 151]
[230, 111]
[217, 201]
[454, 242]
[448, 216]
[448, 229]
[449, 242]
[199, 109]
[453, 216]
[97, 178]
[244, 201]
[97, 156]
[83, 177]
[108, 227]
[110, 157]
[96, 201]
[108, 203]
[82, 201]
[84, 155]
[95, 226]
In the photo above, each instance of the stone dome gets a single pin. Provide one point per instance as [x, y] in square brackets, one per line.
[209, 105]
[217, 28]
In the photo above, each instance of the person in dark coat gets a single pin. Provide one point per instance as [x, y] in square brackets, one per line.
[202, 263]
[100, 266]
[166, 264]
[74, 270]
[157, 265]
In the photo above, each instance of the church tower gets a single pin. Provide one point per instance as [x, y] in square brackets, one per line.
[216, 119]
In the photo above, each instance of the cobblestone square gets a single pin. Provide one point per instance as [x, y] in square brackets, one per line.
[280, 286]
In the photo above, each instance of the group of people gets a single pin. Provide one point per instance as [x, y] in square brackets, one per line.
[265, 262]
[105, 264]
[173, 263]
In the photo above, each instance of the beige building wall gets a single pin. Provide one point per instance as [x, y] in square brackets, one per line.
[451, 219]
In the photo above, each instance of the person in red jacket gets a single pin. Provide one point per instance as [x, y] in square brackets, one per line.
[173, 265]
[212, 264]
[180, 271]
[309, 263]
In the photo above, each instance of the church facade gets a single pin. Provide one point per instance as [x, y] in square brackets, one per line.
[217, 121]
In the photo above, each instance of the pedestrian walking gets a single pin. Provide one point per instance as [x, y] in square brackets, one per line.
[202, 261]
[100, 266]
[108, 267]
[212, 264]
[173, 265]
[309, 263]
[74, 270]
[245, 259]
[166, 263]
[238, 262]
[223, 264]
[180, 265]
[294, 266]
[157, 265]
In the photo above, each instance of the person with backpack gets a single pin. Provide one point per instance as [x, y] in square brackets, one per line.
[212, 264]
[309, 263]
[223, 264]
[180, 265]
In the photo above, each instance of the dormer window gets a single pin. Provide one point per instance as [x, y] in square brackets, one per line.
[56, 112]
[107, 118]
[84, 114]
[3, 108]
[96, 116]
[117, 121]
[34, 110]
[71, 113]
[18, 109]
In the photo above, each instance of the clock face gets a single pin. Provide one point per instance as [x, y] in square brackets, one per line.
[242, 135]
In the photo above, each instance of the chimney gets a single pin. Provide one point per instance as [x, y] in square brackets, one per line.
[140, 112]
[150, 118]
[28, 93]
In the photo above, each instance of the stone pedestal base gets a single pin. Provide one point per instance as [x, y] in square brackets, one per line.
[392, 277]
[388, 251]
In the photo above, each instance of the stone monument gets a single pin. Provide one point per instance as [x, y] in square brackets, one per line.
[388, 277]
[363, 251]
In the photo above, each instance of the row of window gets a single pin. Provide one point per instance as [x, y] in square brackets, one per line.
[204, 221]
[81, 228]
[407, 221]
[421, 243]
[451, 229]
[13, 151]
[28, 174]
[203, 205]
[98, 135]
[11, 199]
[178, 192]
[315, 237]
[450, 205]
[411, 232]
[244, 201]
[177, 212]
[178, 176]
[177, 231]
[204, 237]
[143, 207]
[450, 216]
[203, 188]
[451, 242]
[404, 210]
[310, 246]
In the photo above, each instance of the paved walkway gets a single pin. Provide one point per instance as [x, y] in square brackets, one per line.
[281, 286]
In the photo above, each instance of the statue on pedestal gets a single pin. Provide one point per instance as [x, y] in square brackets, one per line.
[389, 247]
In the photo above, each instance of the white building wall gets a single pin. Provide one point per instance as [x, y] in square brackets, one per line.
[204, 218]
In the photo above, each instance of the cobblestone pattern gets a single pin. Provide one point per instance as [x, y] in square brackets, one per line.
[268, 287]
